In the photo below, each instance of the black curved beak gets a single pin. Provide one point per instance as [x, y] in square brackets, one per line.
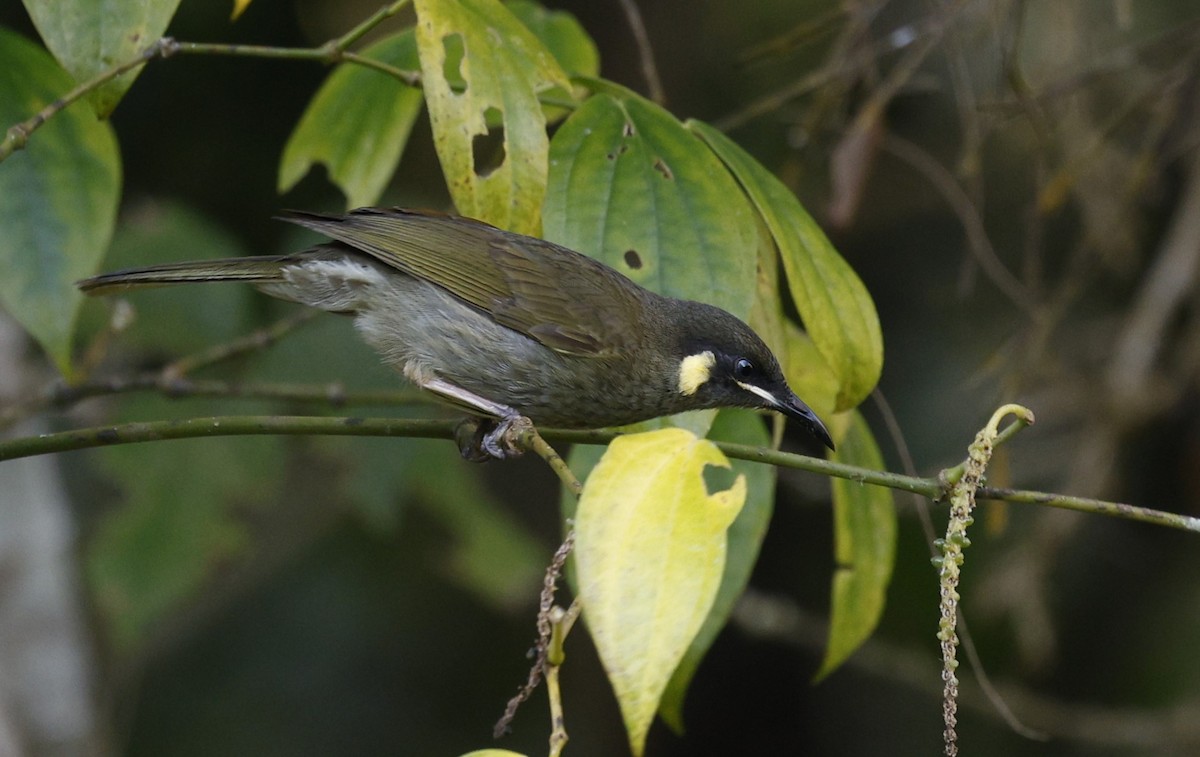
[794, 407]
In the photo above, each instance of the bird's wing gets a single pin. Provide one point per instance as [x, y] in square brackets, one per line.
[563, 299]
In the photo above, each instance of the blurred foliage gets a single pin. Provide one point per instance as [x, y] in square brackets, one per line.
[1012, 181]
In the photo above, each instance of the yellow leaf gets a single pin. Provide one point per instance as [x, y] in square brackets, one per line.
[239, 7]
[649, 556]
[482, 72]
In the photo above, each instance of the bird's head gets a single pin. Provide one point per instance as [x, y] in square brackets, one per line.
[724, 363]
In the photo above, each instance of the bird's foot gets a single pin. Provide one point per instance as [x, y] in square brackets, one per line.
[483, 439]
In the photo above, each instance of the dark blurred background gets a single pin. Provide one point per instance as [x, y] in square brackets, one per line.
[1018, 185]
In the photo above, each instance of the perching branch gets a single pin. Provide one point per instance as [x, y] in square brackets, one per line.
[933, 488]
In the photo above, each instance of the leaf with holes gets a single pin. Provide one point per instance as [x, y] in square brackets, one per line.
[58, 199]
[837, 310]
[89, 38]
[357, 124]
[633, 188]
[864, 528]
[649, 555]
[744, 540]
[629, 187]
[495, 173]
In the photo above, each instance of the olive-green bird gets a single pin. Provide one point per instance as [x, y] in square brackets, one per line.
[509, 325]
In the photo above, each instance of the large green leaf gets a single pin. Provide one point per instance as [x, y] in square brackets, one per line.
[357, 124]
[503, 67]
[58, 199]
[631, 187]
[744, 540]
[864, 519]
[837, 310]
[90, 37]
[650, 555]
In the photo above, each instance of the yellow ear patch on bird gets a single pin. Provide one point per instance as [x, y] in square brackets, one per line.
[694, 370]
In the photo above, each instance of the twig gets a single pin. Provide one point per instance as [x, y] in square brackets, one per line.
[531, 439]
[968, 215]
[1133, 730]
[61, 395]
[131, 433]
[922, 36]
[321, 54]
[645, 52]
[333, 51]
[802, 33]
[1169, 284]
[964, 632]
[545, 628]
[18, 135]
[253, 342]
[342, 43]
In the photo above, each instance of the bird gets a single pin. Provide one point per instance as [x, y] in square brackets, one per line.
[513, 329]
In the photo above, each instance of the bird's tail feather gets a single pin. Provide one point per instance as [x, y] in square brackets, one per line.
[257, 269]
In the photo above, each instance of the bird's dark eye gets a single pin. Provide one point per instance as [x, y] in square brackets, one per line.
[743, 369]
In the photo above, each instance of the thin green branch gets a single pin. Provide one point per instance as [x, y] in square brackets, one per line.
[342, 43]
[334, 51]
[62, 395]
[1094, 506]
[444, 429]
[255, 341]
[951, 476]
[18, 135]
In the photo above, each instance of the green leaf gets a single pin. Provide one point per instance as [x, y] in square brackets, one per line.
[563, 36]
[631, 187]
[864, 520]
[767, 316]
[744, 540]
[504, 67]
[649, 555]
[837, 310]
[357, 124]
[89, 38]
[58, 199]
[177, 524]
[807, 372]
